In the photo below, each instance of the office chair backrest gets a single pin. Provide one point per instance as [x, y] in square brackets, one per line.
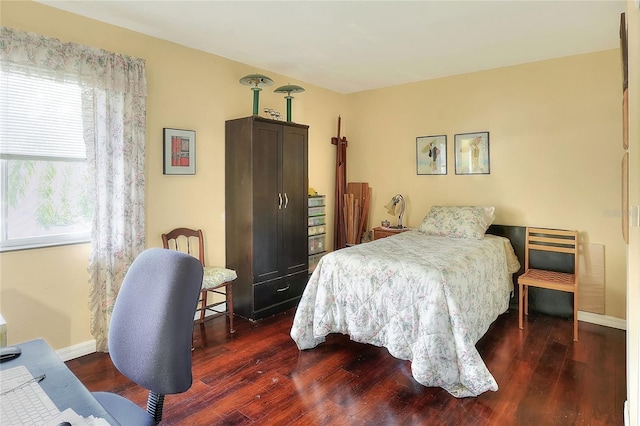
[152, 322]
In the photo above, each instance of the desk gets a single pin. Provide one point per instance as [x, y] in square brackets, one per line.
[62, 386]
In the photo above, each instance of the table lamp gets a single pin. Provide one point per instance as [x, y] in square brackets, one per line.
[257, 82]
[289, 89]
[392, 207]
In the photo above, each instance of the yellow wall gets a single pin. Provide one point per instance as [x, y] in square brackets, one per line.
[561, 113]
[43, 292]
[555, 149]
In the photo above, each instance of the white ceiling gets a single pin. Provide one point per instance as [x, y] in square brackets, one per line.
[350, 46]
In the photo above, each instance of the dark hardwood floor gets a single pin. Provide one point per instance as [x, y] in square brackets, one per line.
[258, 376]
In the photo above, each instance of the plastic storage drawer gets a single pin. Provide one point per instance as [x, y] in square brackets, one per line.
[316, 220]
[316, 211]
[315, 230]
[316, 244]
[316, 201]
[314, 259]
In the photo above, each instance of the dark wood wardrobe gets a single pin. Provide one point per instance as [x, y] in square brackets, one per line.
[266, 187]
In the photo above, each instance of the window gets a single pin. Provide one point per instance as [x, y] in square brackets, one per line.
[43, 168]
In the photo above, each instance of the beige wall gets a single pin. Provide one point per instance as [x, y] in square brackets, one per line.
[555, 150]
[563, 113]
[43, 293]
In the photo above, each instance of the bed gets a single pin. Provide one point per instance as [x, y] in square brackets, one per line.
[427, 295]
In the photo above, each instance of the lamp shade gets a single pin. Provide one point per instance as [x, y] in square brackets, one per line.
[391, 208]
[289, 89]
[257, 82]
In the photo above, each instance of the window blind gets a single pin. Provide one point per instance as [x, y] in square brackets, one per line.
[40, 118]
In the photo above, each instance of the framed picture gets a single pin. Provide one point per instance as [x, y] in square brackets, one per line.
[472, 153]
[179, 152]
[431, 155]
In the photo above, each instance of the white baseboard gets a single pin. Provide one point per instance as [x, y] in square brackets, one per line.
[76, 351]
[603, 320]
[626, 413]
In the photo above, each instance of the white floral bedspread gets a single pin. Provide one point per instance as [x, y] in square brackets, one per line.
[426, 299]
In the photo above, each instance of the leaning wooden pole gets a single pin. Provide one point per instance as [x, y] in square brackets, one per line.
[339, 229]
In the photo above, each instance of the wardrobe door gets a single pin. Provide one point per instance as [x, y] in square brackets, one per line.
[267, 201]
[295, 187]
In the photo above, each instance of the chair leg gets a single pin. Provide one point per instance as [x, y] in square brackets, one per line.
[520, 307]
[203, 308]
[203, 335]
[229, 294]
[526, 300]
[575, 317]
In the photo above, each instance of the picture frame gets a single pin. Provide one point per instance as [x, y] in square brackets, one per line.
[472, 153]
[431, 155]
[179, 152]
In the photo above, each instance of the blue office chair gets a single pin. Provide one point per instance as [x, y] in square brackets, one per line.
[151, 330]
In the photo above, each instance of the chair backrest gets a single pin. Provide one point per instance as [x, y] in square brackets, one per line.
[152, 321]
[186, 240]
[552, 241]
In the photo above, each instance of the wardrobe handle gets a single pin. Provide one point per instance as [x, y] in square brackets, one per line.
[280, 290]
[286, 200]
[279, 201]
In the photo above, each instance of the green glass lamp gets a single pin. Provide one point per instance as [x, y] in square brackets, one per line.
[289, 89]
[257, 82]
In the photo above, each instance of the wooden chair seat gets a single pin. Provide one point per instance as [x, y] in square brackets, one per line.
[554, 241]
[549, 279]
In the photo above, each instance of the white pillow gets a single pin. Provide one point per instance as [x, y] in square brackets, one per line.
[458, 221]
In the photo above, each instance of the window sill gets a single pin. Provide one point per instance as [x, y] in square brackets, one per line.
[35, 246]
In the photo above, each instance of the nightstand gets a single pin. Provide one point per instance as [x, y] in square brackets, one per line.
[381, 232]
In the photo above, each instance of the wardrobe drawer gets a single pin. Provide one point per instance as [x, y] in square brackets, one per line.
[279, 290]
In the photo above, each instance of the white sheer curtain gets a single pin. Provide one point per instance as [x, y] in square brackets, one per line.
[114, 112]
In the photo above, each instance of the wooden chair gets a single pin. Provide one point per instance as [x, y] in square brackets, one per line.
[216, 280]
[549, 240]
